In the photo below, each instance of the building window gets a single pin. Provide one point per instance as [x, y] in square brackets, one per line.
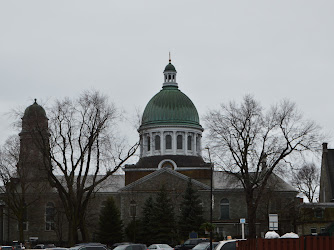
[133, 209]
[103, 204]
[198, 146]
[318, 213]
[190, 140]
[157, 142]
[167, 164]
[179, 142]
[224, 209]
[148, 143]
[50, 213]
[168, 142]
[313, 231]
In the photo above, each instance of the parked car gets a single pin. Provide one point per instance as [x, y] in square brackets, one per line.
[89, 246]
[39, 246]
[56, 248]
[160, 247]
[6, 248]
[119, 243]
[205, 246]
[131, 247]
[227, 244]
[190, 243]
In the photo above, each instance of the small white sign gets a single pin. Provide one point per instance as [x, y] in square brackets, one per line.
[273, 222]
[242, 221]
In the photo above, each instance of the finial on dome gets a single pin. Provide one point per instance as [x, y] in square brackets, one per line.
[170, 60]
[35, 100]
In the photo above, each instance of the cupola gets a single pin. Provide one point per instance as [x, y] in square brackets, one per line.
[170, 74]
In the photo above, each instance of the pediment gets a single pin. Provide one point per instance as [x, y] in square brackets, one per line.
[170, 179]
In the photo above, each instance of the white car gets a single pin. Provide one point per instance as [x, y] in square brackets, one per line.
[205, 246]
[227, 244]
[160, 247]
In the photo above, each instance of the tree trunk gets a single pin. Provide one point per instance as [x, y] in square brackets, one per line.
[251, 210]
[72, 232]
[21, 231]
[84, 232]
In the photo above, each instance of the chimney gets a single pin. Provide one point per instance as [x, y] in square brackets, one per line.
[324, 147]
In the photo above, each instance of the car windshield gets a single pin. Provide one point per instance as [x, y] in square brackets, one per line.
[201, 246]
[164, 246]
[74, 248]
[229, 246]
[120, 247]
[6, 248]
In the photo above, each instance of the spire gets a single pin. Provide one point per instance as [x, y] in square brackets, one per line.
[170, 74]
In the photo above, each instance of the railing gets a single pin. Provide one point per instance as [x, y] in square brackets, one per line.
[303, 243]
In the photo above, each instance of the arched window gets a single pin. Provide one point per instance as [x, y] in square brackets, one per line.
[198, 142]
[148, 143]
[168, 142]
[190, 140]
[157, 142]
[179, 142]
[224, 209]
[50, 213]
[133, 209]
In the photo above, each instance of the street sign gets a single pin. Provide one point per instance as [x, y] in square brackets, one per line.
[243, 222]
[273, 222]
[193, 235]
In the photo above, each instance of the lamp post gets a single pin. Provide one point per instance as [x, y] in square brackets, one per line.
[211, 180]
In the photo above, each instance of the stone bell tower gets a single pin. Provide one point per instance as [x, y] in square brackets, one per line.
[34, 137]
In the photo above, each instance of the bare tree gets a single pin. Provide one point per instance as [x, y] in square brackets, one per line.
[19, 190]
[81, 151]
[251, 143]
[307, 180]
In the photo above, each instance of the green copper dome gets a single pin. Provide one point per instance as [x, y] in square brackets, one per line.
[170, 67]
[170, 107]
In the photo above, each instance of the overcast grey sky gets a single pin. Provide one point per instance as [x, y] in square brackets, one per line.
[222, 50]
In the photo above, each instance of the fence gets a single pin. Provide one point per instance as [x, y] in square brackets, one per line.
[303, 243]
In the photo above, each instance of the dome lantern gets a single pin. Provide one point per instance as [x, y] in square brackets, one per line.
[170, 75]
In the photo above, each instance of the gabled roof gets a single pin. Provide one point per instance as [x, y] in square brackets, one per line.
[111, 185]
[160, 172]
[223, 180]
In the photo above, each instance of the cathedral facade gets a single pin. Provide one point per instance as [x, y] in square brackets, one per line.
[170, 154]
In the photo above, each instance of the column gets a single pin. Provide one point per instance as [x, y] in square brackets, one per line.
[151, 142]
[185, 148]
[174, 142]
[162, 142]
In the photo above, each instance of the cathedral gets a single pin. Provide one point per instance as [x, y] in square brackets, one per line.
[170, 137]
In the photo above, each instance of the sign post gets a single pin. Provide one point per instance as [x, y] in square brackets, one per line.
[242, 222]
